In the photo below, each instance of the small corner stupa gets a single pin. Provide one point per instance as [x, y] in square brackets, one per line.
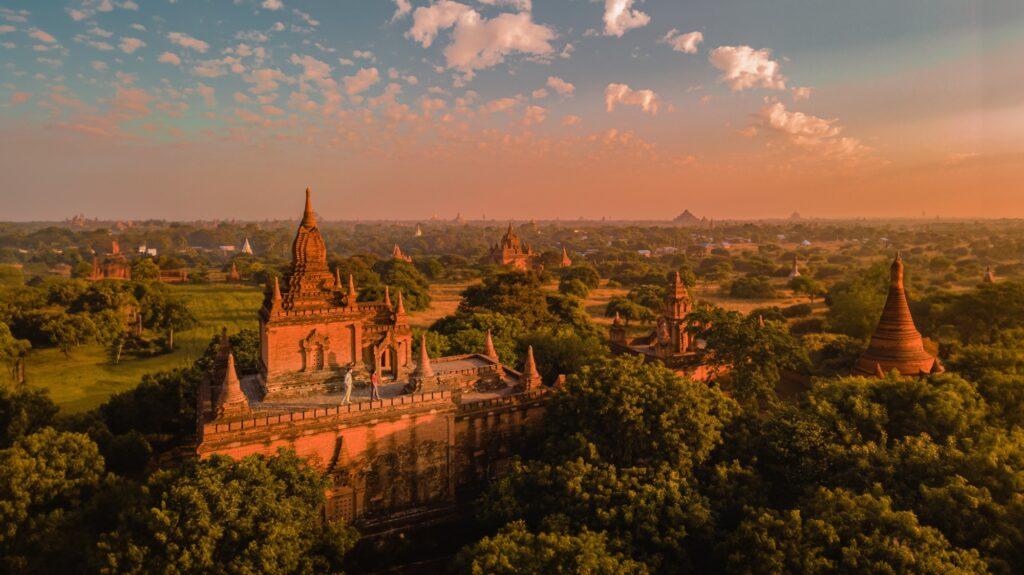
[896, 343]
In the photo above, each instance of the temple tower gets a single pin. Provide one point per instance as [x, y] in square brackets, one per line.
[896, 343]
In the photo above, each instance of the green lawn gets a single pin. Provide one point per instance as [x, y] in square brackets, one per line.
[87, 378]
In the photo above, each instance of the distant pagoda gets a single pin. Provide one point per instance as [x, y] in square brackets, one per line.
[687, 219]
[896, 343]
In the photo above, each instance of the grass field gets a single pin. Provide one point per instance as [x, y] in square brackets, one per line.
[87, 379]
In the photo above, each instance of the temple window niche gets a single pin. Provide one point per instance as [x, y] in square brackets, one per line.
[314, 351]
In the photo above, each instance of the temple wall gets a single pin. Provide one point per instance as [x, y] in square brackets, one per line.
[285, 346]
[400, 455]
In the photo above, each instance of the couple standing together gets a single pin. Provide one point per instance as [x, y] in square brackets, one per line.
[374, 387]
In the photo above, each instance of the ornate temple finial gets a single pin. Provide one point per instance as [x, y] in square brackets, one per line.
[423, 368]
[308, 218]
[760, 320]
[337, 278]
[878, 371]
[489, 350]
[352, 295]
[400, 309]
[387, 296]
[231, 399]
[277, 290]
[531, 377]
[224, 341]
[896, 272]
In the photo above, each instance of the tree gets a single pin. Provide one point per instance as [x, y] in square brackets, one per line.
[23, 411]
[807, 286]
[573, 287]
[514, 293]
[13, 353]
[256, 515]
[837, 531]
[638, 413]
[70, 330]
[516, 550]
[751, 287]
[173, 314]
[582, 272]
[855, 304]
[45, 481]
[144, 269]
[628, 310]
[756, 355]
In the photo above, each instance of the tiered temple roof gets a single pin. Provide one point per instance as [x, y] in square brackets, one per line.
[896, 343]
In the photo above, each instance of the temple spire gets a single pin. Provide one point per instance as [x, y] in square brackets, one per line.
[531, 377]
[896, 343]
[337, 278]
[308, 218]
[387, 296]
[423, 368]
[489, 350]
[231, 399]
[400, 309]
[352, 295]
[276, 294]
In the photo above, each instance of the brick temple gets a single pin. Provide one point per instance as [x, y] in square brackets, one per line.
[896, 343]
[111, 266]
[514, 253]
[440, 430]
[670, 342]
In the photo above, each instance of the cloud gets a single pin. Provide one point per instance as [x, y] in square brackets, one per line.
[20, 97]
[808, 132]
[361, 81]
[520, 5]
[428, 20]
[315, 71]
[208, 94]
[801, 93]
[620, 16]
[478, 42]
[744, 67]
[402, 7]
[560, 86]
[130, 45]
[42, 36]
[622, 94]
[272, 4]
[264, 80]
[534, 115]
[499, 105]
[186, 41]
[571, 120]
[685, 43]
[169, 58]
[539, 94]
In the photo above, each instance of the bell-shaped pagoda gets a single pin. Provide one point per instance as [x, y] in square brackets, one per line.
[896, 343]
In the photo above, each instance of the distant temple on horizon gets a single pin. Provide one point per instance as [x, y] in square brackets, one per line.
[515, 253]
[112, 266]
[896, 343]
[439, 430]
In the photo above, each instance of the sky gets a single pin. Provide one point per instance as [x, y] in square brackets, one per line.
[406, 109]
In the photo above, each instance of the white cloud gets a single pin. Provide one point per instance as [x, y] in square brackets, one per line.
[130, 45]
[272, 4]
[620, 16]
[6, 29]
[499, 105]
[539, 94]
[361, 81]
[686, 43]
[480, 43]
[801, 93]
[560, 86]
[169, 58]
[571, 120]
[402, 7]
[186, 41]
[616, 94]
[97, 31]
[520, 5]
[809, 132]
[428, 20]
[534, 115]
[315, 70]
[42, 36]
[744, 67]
[264, 80]
[364, 54]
